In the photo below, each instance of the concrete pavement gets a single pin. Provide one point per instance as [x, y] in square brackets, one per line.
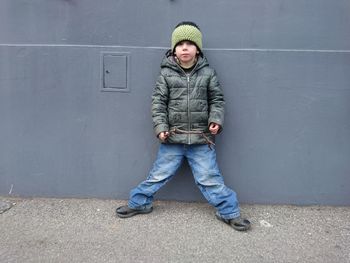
[86, 230]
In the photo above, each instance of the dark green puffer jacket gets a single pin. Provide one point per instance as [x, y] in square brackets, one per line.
[187, 101]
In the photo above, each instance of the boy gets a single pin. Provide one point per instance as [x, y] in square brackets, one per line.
[187, 111]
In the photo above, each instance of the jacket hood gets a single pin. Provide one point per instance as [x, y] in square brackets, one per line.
[170, 62]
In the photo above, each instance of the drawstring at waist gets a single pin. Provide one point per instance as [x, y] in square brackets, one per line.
[178, 131]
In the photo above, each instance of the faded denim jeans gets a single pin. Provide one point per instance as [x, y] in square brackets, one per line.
[208, 178]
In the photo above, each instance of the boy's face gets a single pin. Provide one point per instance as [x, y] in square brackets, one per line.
[186, 52]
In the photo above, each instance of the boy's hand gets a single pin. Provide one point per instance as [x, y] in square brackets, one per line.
[214, 128]
[163, 136]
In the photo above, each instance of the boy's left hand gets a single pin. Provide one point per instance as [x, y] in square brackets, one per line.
[214, 128]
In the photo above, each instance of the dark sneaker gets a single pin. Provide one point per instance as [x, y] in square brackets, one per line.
[125, 211]
[238, 223]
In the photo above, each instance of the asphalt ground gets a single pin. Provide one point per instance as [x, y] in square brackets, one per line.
[87, 230]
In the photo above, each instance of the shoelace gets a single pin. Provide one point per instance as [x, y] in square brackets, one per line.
[179, 131]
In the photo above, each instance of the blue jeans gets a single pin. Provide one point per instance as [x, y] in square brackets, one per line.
[208, 178]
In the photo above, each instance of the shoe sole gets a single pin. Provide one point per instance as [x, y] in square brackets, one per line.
[135, 212]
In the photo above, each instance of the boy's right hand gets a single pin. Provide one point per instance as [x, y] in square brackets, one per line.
[163, 136]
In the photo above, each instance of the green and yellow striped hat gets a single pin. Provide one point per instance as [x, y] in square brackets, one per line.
[186, 31]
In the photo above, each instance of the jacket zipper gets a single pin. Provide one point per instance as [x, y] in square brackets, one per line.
[188, 107]
[188, 99]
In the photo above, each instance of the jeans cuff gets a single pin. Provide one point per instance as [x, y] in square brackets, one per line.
[229, 216]
[134, 206]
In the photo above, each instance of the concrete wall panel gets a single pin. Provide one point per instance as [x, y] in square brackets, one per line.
[283, 66]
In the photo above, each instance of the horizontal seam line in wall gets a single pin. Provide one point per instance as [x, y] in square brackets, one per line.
[166, 48]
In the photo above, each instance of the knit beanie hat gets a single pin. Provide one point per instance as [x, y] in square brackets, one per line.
[186, 31]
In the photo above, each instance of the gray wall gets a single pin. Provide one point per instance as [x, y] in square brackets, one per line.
[68, 129]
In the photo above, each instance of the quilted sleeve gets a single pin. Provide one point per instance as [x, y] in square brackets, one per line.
[216, 101]
[160, 106]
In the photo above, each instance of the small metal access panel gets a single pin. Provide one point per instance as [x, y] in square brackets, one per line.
[115, 67]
